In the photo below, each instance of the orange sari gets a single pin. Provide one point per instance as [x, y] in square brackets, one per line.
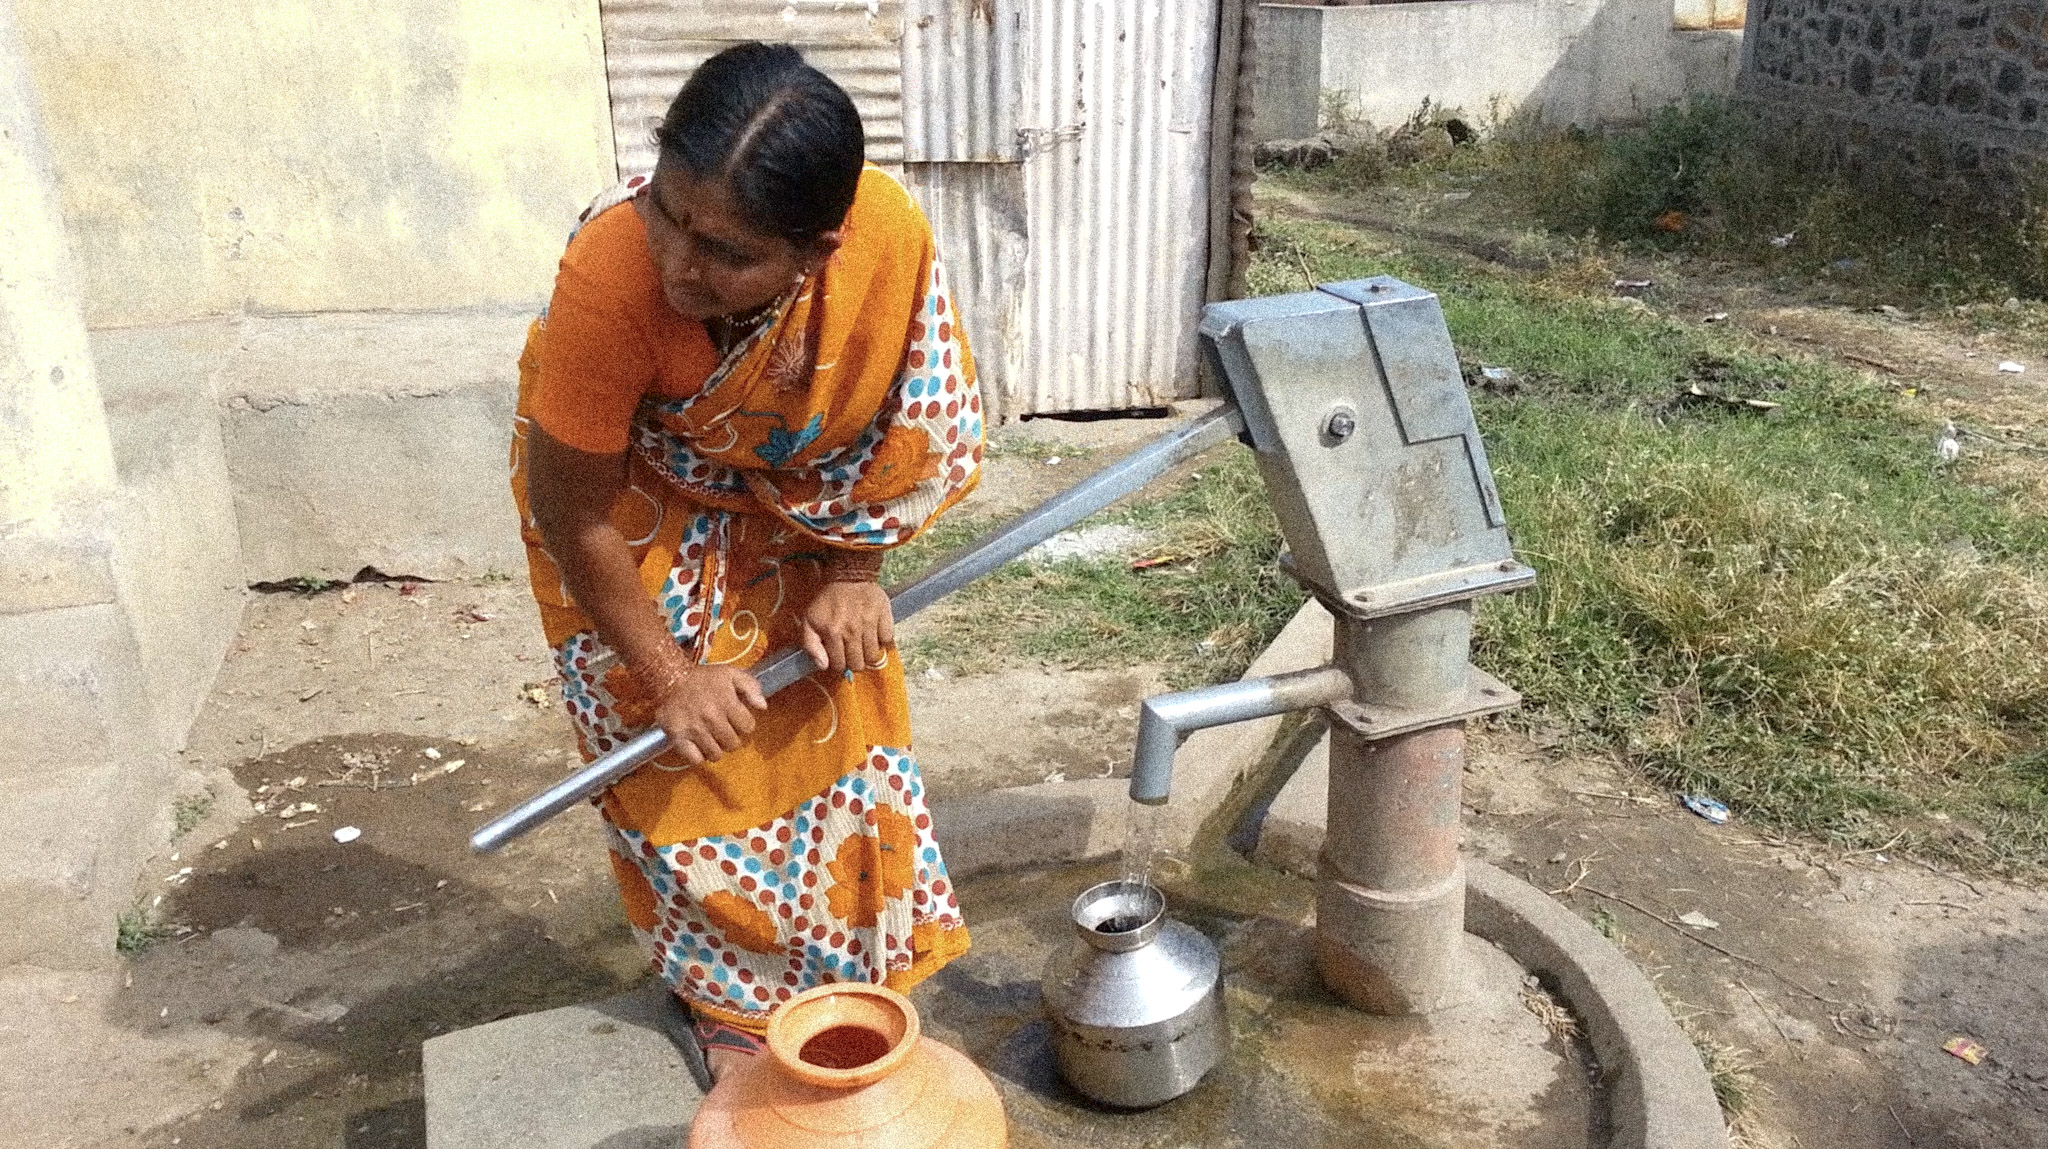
[849, 419]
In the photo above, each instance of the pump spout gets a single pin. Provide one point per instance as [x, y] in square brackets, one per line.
[1168, 718]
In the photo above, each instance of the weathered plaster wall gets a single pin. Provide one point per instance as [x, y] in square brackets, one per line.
[1945, 88]
[1287, 81]
[318, 155]
[81, 771]
[1585, 62]
[196, 183]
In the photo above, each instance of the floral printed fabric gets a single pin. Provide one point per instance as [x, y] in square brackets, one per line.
[847, 887]
[918, 456]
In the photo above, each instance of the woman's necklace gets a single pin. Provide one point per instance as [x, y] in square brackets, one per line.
[729, 331]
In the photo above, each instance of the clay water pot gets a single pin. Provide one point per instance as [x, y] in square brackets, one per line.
[847, 1065]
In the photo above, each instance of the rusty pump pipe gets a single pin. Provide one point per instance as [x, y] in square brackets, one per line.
[785, 667]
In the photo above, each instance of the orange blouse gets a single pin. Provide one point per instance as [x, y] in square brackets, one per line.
[613, 339]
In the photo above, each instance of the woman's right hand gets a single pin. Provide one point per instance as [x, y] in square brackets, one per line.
[708, 711]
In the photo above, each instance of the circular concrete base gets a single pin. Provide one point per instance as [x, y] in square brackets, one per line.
[1660, 1096]
[1659, 1091]
[1302, 1068]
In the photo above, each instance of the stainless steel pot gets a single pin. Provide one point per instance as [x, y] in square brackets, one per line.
[1135, 1005]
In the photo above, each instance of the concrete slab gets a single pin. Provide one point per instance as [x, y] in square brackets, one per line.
[1303, 1069]
[1291, 835]
[374, 440]
[1082, 725]
[1660, 1095]
[1040, 825]
[596, 1076]
[1085, 820]
[81, 781]
[179, 557]
[1212, 763]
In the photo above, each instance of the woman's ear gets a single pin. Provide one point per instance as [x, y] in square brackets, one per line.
[819, 251]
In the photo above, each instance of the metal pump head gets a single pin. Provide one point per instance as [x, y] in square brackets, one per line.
[1357, 411]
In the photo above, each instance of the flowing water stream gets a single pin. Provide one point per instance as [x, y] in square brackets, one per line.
[1142, 852]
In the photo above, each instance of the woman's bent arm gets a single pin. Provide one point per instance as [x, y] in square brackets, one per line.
[707, 710]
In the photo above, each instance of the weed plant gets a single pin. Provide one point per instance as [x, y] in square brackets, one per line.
[134, 931]
[188, 811]
[1708, 178]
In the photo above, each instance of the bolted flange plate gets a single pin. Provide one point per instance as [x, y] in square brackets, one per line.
[1484, 694]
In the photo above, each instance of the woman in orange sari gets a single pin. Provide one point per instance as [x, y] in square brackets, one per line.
[749, 383]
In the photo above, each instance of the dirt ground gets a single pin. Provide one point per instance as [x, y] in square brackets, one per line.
[1835, 978]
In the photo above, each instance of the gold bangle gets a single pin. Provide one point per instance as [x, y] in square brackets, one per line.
[854, 566]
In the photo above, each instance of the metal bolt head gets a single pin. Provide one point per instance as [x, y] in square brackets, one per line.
[1341, 424]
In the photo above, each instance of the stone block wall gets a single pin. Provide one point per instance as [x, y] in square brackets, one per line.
[1949, 91]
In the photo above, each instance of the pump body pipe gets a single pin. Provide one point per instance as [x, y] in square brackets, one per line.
[1010, 541]
[1167, 719]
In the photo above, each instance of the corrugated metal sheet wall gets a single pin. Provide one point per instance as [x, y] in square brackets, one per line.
[977, 216]
[1116, 174]
[962, 90]
[962, 80]
[652, 46]
[1060, 147]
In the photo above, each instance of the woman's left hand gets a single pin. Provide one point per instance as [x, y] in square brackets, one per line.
[849, 625]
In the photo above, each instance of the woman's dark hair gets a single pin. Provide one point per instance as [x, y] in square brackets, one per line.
[783, 135]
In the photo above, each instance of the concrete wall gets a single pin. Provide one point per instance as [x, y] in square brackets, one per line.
[373, 440]
[1585, 62]
[1942, 91]
[81, 769]
[318, 155]
[307, 238]
[1287, 78]
[179, 562]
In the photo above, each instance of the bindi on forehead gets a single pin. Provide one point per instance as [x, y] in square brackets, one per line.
[711, 217]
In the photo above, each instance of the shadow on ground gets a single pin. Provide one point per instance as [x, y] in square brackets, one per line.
[339, 960]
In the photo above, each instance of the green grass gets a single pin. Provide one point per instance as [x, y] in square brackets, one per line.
[1605, 921]
[1800, 614]
[1202, 613]
[188, 811]
[135, 932]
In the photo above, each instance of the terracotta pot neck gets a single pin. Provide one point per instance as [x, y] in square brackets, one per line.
[843, 1036]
